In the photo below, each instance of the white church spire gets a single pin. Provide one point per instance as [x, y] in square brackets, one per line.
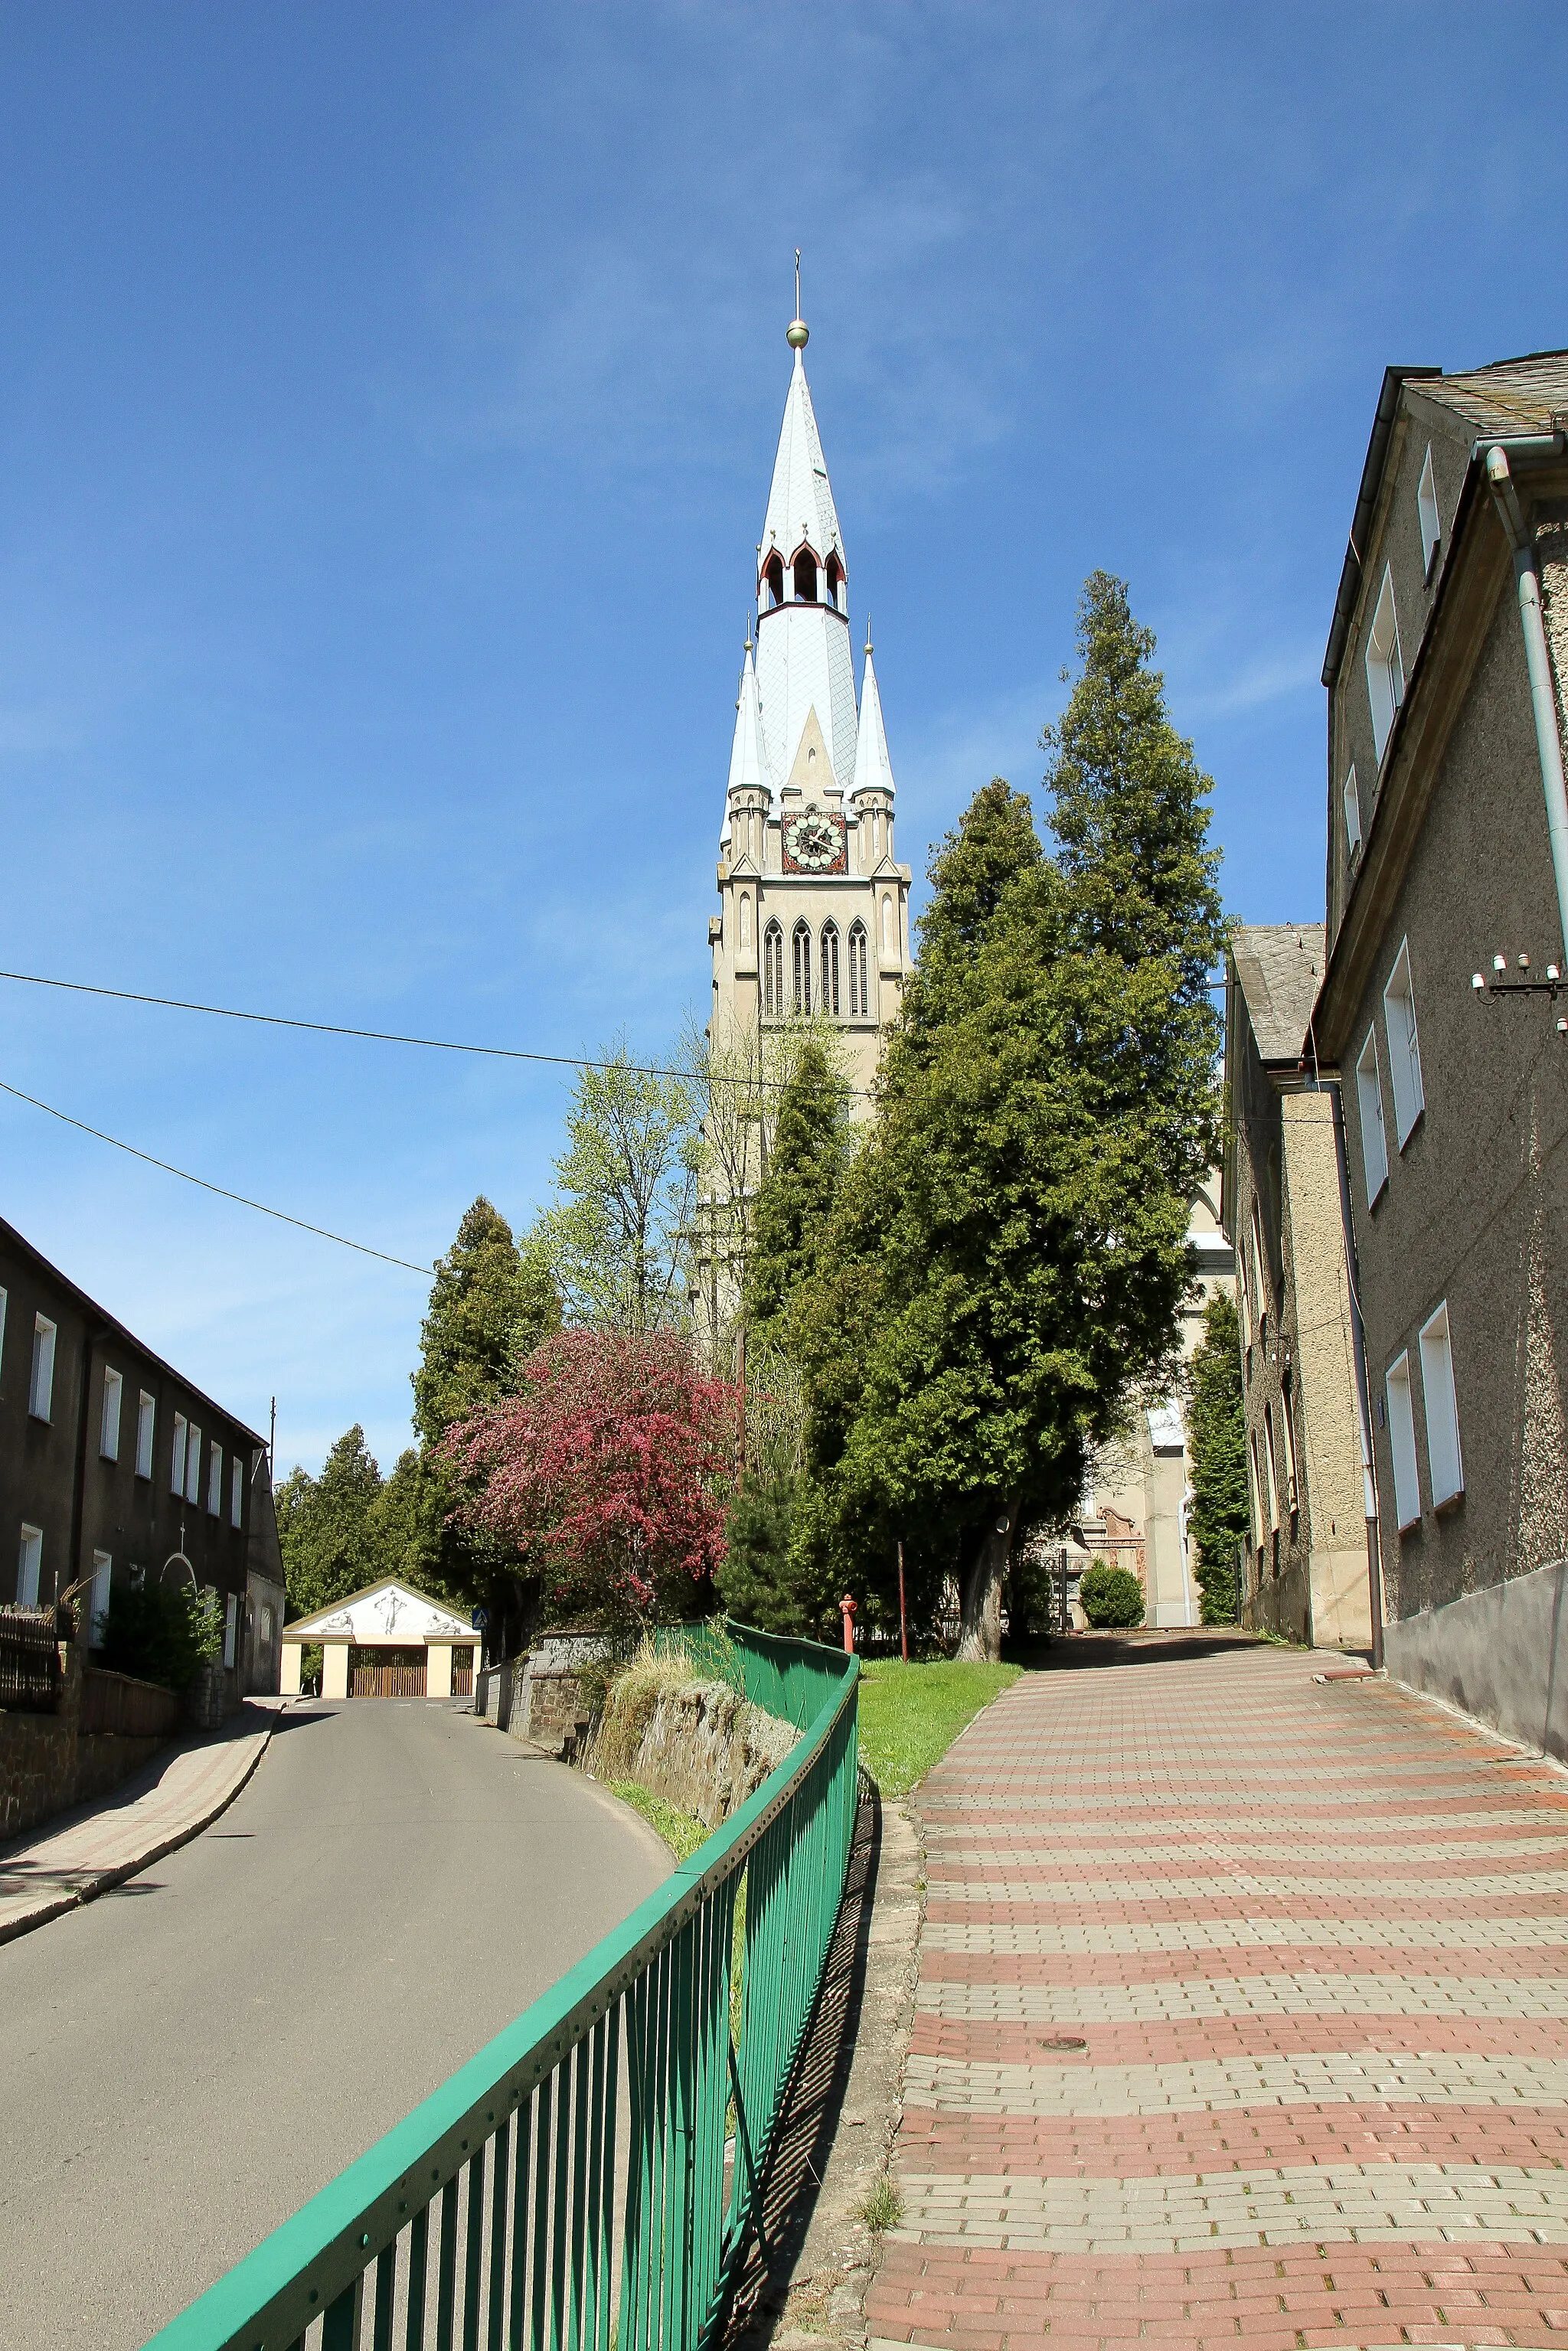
[803, 660]
[873, 768]
[747, 769]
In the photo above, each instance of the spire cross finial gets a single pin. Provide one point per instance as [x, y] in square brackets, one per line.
[867, 633]
[798, 334]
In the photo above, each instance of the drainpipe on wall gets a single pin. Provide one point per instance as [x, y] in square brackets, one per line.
[1543, 699]
[1362, 1387]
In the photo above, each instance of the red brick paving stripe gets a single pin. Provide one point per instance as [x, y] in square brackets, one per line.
[1135, 2147]
[1075, 1968]
[954, 1910]
[1193, 2040]
[1344, 2295]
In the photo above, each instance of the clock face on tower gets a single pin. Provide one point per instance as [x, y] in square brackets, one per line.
[814, 844]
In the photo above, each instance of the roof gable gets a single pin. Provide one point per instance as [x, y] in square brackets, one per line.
[388, 1614]
[1278, 969]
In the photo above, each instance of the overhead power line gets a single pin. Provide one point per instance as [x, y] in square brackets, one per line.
[224, 1194]
[393, 1037]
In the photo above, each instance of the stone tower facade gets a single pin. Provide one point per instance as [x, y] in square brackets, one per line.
[813, 919]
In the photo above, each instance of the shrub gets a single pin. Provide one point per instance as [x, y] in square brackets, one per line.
[630, 1700]
[1111, 1596]
[161, 1633]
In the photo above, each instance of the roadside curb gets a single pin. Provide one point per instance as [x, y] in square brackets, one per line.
[168, 1840]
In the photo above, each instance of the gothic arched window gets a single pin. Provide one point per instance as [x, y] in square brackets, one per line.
[773, 972]
[773, 574]
[835, 579]
[859, 989]
[803, 967]
[828, 999]
[806, 577]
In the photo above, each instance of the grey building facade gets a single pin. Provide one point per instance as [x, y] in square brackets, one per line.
[1455, 1099]
[113, 1466]
[1307, 1571]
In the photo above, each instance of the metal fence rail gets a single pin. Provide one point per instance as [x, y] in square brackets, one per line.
[592, 2176]
[29, 1660]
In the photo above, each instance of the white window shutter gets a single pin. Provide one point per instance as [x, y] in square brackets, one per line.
[1402, 1443]
[1444, 1460]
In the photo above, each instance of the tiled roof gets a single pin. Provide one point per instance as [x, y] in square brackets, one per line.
[1522, 395]
[1279, 967]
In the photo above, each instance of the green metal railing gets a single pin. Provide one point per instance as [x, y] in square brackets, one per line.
[590, 2180]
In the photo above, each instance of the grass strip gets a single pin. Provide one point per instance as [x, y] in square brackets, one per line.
[910, 1715]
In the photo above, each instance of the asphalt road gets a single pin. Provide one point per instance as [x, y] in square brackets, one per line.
[185, 2060]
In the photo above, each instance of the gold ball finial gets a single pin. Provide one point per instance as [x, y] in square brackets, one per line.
[797, 334]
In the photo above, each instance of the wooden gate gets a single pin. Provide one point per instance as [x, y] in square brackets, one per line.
[387, 1681]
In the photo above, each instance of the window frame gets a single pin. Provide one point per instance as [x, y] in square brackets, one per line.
[859, 971]
[801, 973]
[1403, 1048]
[1385, 665]
[30, 1554]
[1288, 1431]
[773, 970]
[1440, 1403]
[109, 1422]
[146, 1432]
[1400, 1406]
[1369, 1096]
[1350, 800]
[5, 1301]
[237, 1490]
[41, 1378]
[1255, 1488]
[192, 1463]
[215, 1481]
[828, 969]
[1272, 1467]
[177, 1455]
[231, 1629]
[1430, 520]
[99, 1597]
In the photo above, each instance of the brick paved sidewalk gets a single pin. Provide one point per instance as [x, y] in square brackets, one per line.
[94, 1846]
[1243, 2018]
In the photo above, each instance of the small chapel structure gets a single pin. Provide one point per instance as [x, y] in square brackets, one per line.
[388, 1616]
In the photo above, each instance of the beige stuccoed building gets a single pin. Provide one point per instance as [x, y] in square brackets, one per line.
[1135, 1508]
[1306, 1567]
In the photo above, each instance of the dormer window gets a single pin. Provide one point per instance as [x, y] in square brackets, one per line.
[1385, 665]
[773, 579]
[835, 581]
[1427, 508]
[805, 577]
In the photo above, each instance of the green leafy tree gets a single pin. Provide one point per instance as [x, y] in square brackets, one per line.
[324, 1527]
[491, 1305]
[615, 1239]
[810, 1148]
[1008, 1258]
[1217, 1450]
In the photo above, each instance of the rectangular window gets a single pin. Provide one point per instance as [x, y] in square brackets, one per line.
[231, 1624]
[1256, 1483]
[108, 1428]
[1385, 665]
[177, 1456]
[41, 1393]
[216, 1483]
[1369, 1095]
[237, 1491]
[1402, 1443]
[97, 1617]
[1427, 507]
[1269, 1465]
[1352, 797]
[1444, 1462]
[146, 1413]
[1287, 1431]
[1404, 1046]
[193, 1465]
[30, 1567]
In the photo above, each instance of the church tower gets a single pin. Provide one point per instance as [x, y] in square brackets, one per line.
[813, 916]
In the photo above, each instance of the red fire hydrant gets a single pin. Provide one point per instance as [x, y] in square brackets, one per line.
[847, 1607]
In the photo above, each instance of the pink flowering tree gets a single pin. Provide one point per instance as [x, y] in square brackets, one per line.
[609, 1472]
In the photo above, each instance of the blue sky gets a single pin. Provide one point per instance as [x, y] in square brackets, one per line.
[387, 400]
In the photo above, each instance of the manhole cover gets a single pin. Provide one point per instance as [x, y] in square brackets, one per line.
[1065, 2041]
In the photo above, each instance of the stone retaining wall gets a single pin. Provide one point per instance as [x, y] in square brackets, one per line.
[47, 1761]
[706, 1749]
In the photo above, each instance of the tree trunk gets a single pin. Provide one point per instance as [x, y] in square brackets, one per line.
[980, 1625]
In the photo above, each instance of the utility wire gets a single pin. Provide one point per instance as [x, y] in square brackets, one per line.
[186, 1177]
[391, 1036]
